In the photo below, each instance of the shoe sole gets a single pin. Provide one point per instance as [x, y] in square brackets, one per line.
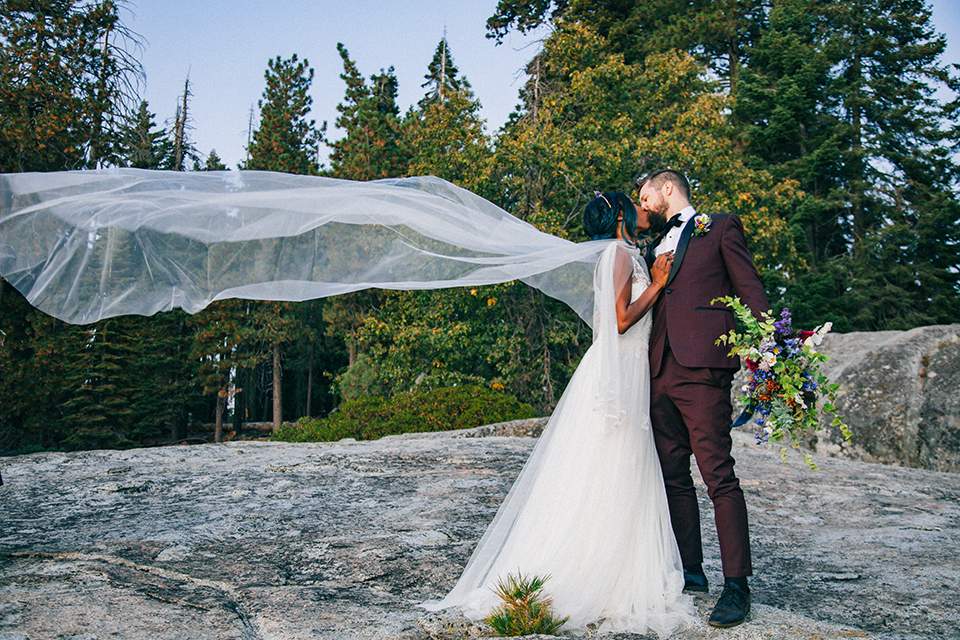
[696, 587]
[731, 624]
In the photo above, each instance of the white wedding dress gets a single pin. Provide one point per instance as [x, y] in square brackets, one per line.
[589, 507]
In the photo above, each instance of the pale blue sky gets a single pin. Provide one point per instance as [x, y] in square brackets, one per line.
[225, 46]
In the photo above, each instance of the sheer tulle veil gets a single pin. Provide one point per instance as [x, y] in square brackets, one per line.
[86, 245]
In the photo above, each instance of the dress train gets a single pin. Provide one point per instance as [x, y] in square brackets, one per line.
[589, 508]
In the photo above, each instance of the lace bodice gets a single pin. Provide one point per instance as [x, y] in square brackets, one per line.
[640, 332]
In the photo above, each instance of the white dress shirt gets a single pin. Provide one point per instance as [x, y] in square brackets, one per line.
[670, 241]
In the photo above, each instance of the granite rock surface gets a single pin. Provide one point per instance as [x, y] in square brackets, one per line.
[257, 541]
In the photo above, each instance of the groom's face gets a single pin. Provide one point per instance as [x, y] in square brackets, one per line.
[655, 206]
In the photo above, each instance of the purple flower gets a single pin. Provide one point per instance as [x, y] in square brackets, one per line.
[783, 326]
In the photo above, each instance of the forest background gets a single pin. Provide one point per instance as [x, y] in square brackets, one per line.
[821, 123]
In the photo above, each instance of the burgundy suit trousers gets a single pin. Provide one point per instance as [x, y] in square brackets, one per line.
[690, 411]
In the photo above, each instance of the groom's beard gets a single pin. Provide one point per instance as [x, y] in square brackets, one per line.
[657, 217]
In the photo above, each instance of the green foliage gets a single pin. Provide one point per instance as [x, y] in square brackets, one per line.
[286, 140]
[212, 163]
[65, 84]
[508, 335]
[31, 390]
[834, 145]
[525, 609]
[816, 121]
[372, 146]
[442, 79]
[445, 133]
[603, 122]
[372, 417]
[144, 148]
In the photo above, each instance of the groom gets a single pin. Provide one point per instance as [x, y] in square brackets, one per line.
[691, 378]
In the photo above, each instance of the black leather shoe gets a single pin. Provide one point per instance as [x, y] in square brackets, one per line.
[695, 581]
[732, 607]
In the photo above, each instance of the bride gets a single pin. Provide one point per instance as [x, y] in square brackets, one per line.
[589, 508]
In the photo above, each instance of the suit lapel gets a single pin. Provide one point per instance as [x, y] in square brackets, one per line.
[681, 248]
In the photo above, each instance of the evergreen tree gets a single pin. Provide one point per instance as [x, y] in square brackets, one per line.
[146, 148]
[445, 133]
[840, 97]
[41, 105]
[372, 145]
[788, 122]
[442, 79]
[101, 405]
[224, 345]
[286, 140]
[212, 163]
[32, 357]
[889, 70]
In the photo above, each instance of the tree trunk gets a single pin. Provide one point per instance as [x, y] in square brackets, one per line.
[178, 425]
[277, 393]
[309, 375]
[179, 129]
[218, 422]
[859, 166]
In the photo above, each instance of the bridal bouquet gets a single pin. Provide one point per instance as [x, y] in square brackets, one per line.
[785, 379]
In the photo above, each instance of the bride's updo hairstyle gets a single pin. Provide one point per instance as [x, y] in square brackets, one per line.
[600, 217]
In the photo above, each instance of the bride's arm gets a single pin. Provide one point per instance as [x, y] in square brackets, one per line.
[628, 313]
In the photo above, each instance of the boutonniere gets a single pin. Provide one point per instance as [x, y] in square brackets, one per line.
[701, 224]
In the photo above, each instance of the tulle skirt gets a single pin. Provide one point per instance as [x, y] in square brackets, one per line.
[589, 510]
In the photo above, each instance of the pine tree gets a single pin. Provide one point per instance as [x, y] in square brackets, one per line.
[889, 71]
[372, 145]
[442, 80]
[142, 146]
[788, 123]
[212, 163]
[286, 140]
[445, 133]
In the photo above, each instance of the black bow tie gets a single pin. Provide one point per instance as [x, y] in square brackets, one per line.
[670, 224]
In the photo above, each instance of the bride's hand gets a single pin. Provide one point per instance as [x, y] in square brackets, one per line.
[661, 269]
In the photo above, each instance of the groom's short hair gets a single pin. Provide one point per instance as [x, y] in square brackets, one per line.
[658, 178]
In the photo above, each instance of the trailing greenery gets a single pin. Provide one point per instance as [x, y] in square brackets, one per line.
[525, 609]
[372, 417]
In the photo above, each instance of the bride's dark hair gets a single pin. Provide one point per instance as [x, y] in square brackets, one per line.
[601, 213]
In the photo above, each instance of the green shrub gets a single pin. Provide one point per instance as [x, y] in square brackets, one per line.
[525, 609]
[372, 417]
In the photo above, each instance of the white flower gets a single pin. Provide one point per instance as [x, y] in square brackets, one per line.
[799, 398]
[768, 361]
[817, 336]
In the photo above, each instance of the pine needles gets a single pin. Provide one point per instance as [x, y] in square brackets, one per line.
[525, 609]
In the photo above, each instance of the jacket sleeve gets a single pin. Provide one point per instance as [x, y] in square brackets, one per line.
[739, 264]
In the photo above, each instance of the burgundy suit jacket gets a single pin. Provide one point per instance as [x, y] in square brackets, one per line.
[712, 265]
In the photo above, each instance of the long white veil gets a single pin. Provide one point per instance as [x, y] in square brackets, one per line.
[86, 245]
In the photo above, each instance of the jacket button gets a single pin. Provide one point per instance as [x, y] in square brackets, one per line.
[669, 290]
